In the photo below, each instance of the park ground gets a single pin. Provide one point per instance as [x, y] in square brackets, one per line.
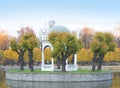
[109, 68]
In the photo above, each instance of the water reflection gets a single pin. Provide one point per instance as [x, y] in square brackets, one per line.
[2, 79]
[20, 84]
[115, 83]
[116, 80]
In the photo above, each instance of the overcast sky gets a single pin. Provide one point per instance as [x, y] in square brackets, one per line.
[102, 15]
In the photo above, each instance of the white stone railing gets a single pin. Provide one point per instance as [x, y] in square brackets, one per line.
[46, 67]
[71, 67]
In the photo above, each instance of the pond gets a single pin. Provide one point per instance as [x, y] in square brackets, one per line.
[2, 79]
[115, 83]
[116, 80]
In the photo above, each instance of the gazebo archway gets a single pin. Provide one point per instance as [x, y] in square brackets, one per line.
[47, 67]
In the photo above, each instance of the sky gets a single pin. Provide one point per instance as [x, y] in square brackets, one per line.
[101, 15]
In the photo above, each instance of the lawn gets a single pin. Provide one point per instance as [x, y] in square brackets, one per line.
[38, 71]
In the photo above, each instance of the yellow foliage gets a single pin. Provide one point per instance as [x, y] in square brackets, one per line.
[84, 55]
[117, 54]
[90, 54]
[1, 56]
[37, 54]
[47, 54]
[11, 55]
[26, 59]
[70, 58]
[4, 40]
[113, 56]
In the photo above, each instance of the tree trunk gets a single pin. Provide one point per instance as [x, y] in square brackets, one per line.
[58, 63]
[63, 64]
[94, 64]
[30, 55]
[21, 59]
[94, 61]
[100, 60]
[73, 59]
[21, 63]
[63, 68]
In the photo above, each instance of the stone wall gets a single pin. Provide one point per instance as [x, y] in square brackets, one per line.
[22, 84]
[60, 77]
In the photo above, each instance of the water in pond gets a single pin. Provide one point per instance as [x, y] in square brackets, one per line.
[116, 80]
[2, 79]
[115, 83]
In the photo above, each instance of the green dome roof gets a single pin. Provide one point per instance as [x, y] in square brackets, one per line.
[59, 29]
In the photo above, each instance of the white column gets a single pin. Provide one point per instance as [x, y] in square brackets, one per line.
[52, 64]
[52, 61]
[52, 58]
[42, 56]
[67, 62]
[66, 65]
[75, 59]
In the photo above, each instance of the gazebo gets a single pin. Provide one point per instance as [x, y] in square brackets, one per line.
[45, 43]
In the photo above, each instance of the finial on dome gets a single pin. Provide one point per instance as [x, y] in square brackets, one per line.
[51, 23]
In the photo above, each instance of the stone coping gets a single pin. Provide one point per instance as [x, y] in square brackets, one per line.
[60, 77]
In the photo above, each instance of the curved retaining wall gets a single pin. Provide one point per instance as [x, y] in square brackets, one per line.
[61, 77]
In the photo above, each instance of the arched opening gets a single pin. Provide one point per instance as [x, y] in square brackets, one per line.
[47, 55]
[47, 60]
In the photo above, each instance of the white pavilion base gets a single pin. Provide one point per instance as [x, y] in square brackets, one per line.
[71, 67]
[47, 67]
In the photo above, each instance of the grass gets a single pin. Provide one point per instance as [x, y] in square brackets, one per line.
[38, 71]
[86, 71]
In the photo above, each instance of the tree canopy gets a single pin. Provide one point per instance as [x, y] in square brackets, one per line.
[17, 46]
[64, 45]
[100, 45]
[4, 40]
[26, 40]
[86, 35]
[29, 42]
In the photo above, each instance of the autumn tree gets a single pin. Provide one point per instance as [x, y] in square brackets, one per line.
[84, 55]
[16, 45]
[86, 36]
[113, 56]
[118, 41]
[117, 36]
[1, 57]
[100, 45]
[4, 40]
[30, 41]
[110, 56]
[37, 54]
[11, 55]
[64, 45]
[116, 54]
